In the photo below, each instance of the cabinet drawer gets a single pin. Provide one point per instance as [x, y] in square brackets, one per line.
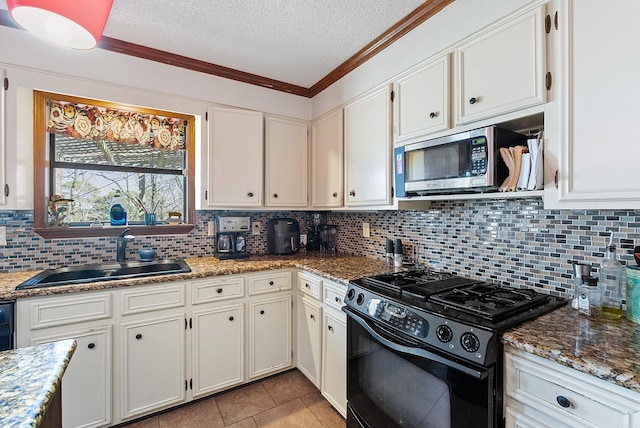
[567, 394]
[269, 282]
[212, 290]
[310, 284]
[54, 312]
[153, 298]
[333, 294]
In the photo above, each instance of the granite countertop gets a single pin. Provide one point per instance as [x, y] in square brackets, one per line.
[339, 267]
[29, 377]
[607, 349]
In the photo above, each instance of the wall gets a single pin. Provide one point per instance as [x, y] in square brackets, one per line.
[514, 242]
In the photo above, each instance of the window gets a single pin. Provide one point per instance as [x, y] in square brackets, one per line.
[88, 151]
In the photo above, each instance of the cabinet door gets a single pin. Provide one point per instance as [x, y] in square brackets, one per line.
[153, 367]
[285, 162]
[591, 124]
[334, 360]
[421, 106]
[218, 348]
[86, 384]
[367, 140]
[235, 157]
[502, 69]
[269, 336]
[4, 189]
[327, 161]
[309, 338]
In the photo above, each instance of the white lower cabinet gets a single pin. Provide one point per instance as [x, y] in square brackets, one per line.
[309, 338]
[269, 335]
[334, 346]
[153, 369]
[142, 349]
[334, 359]
[87, 380]
[217, 348]
[542, 393]
[87, 318]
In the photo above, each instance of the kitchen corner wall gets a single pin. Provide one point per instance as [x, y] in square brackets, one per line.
[511, 241]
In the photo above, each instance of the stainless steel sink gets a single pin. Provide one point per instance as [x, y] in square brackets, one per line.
[103, 272]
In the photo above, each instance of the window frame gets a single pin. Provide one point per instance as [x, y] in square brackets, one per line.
[42, 169]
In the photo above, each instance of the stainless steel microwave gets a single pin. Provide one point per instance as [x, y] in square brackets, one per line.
[464, 162]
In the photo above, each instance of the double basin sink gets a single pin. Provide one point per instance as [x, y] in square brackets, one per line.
[104, 272]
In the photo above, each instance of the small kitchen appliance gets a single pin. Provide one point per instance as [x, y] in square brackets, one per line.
[231, 237]
[464, 162]
[283, 236]
[424, 350]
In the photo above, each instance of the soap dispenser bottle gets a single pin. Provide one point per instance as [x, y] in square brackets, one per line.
[117, 212]
[610, 281]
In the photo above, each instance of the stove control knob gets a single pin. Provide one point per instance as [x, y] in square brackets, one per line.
[351, 294]
[444, 333]
[470, 342]
[360, 299]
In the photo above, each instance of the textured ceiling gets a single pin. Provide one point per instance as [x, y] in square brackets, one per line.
[293, 41]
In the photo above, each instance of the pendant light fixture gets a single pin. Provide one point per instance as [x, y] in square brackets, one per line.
[75, 24]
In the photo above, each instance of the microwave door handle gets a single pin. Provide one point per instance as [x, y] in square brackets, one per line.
[403, 345]
[293, 243]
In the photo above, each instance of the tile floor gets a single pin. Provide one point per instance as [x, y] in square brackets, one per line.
[284, 400]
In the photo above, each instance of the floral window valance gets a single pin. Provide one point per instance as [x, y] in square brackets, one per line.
[87, 122]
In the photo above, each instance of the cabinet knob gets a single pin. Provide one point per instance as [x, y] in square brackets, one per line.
[138, 336]
[219, 290]
[335, 194]
[330, 328]
[91, 345]
[275, 195]
[312, 316]
[250, 194]
[307, 285]
[432, 114]
[473, 100]
[261, 312]
[230, 318]
[563, 401]
[337, 300]
[270, 282]
[352, 193]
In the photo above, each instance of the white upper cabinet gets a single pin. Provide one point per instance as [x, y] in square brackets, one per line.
[327, 160]
[235, 158]
[4, 190]
[502, 68]
[421, 103]
[367, 140]
[592, 148]
[285, 162]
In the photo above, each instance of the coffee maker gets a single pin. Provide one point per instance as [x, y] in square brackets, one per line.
[231, 237]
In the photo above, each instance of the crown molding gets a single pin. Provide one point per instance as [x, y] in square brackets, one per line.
[423, 12]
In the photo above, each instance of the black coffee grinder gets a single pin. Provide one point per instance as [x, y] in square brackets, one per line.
[314, 239]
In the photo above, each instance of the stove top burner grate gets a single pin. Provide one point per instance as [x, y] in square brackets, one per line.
[490, 301]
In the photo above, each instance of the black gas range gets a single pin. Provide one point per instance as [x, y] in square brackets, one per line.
[459, 316]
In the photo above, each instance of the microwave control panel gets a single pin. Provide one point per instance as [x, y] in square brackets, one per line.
[479, 156]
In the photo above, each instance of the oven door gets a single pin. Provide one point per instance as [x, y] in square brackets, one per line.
[394, 381]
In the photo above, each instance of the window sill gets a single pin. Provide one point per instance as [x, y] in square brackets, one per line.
[88, 232]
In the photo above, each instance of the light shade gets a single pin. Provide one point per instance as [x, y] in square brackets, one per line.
[76, 24]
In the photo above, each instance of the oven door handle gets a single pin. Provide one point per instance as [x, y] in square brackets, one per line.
[403, 345]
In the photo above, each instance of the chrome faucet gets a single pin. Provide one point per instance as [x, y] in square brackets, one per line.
[121, 246]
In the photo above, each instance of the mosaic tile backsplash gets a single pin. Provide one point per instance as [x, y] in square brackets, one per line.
[515, 241]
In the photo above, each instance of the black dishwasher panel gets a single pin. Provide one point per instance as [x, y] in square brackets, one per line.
[6, 325]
